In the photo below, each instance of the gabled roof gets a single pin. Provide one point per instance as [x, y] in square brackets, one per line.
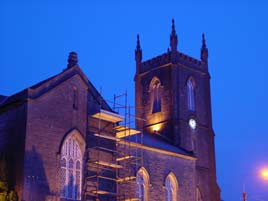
[44, 86]
[2, 98]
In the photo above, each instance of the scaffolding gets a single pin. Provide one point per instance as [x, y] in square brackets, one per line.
[113, 160]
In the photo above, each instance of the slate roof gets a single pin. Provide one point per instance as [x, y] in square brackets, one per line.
[2, 98]
[44, 86]
[157, 141]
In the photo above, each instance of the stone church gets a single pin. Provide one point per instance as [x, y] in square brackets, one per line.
[60, 140]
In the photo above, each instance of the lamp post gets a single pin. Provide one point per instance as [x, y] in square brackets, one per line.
[244, 194]
[264, 174]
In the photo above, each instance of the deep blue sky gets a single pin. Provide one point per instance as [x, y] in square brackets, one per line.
[36, 37]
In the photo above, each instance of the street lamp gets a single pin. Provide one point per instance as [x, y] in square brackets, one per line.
[264, 173]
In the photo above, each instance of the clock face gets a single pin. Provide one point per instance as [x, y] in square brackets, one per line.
[192, 123]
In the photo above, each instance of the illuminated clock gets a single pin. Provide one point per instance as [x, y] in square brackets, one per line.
[192, 123]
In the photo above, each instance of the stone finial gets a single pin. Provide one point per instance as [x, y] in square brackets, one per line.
[203, 41]
[138, 51]
[138, 42]
[173, 37]
[173, 26]
[204, 49]
[72, 60]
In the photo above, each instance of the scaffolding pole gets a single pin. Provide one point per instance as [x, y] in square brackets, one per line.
[113, 159]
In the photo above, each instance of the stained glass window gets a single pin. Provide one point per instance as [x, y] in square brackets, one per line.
[63, 176]
[171, 187]
[143, 184]
[71, 160]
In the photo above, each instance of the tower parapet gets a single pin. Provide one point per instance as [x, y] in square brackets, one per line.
[172, 56]
[166, 59]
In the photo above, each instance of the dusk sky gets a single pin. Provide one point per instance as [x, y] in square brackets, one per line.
[37, 36]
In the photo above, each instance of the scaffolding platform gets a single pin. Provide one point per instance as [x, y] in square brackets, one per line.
[109, 137]
[108, 116]
[121, 180]
[125, 158]
[106, 164]
[124, 131]
[101, 192]
[103, 149]
[100, 177]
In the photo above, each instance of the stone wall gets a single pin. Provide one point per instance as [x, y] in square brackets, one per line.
[51, 117]
[12, 137]
[159, 165]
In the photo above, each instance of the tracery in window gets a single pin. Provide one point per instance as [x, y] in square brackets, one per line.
[155, 88]
[71, 160]
[63, 177]
[143, 184]
[191, 95]
[171, 185]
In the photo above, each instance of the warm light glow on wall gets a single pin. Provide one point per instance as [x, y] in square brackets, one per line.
[156, 127]
[264, 173]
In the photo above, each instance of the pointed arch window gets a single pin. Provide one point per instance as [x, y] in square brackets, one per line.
[155, 91]
[143, 184]
[191, 95]
[171, 185]
[198, 195]
[75, 98]
[71, 172]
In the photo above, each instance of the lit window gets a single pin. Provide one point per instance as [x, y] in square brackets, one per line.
[190, 93]
[71, 160]
[143, 184]
[155, 91]
[198, 195]
[171, 185]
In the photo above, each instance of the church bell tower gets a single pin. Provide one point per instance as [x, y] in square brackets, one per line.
[173, 102]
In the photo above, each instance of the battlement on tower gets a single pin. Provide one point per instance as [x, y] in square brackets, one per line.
[172, 56]
[155, 62]
[191, 62]
[168, 58]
